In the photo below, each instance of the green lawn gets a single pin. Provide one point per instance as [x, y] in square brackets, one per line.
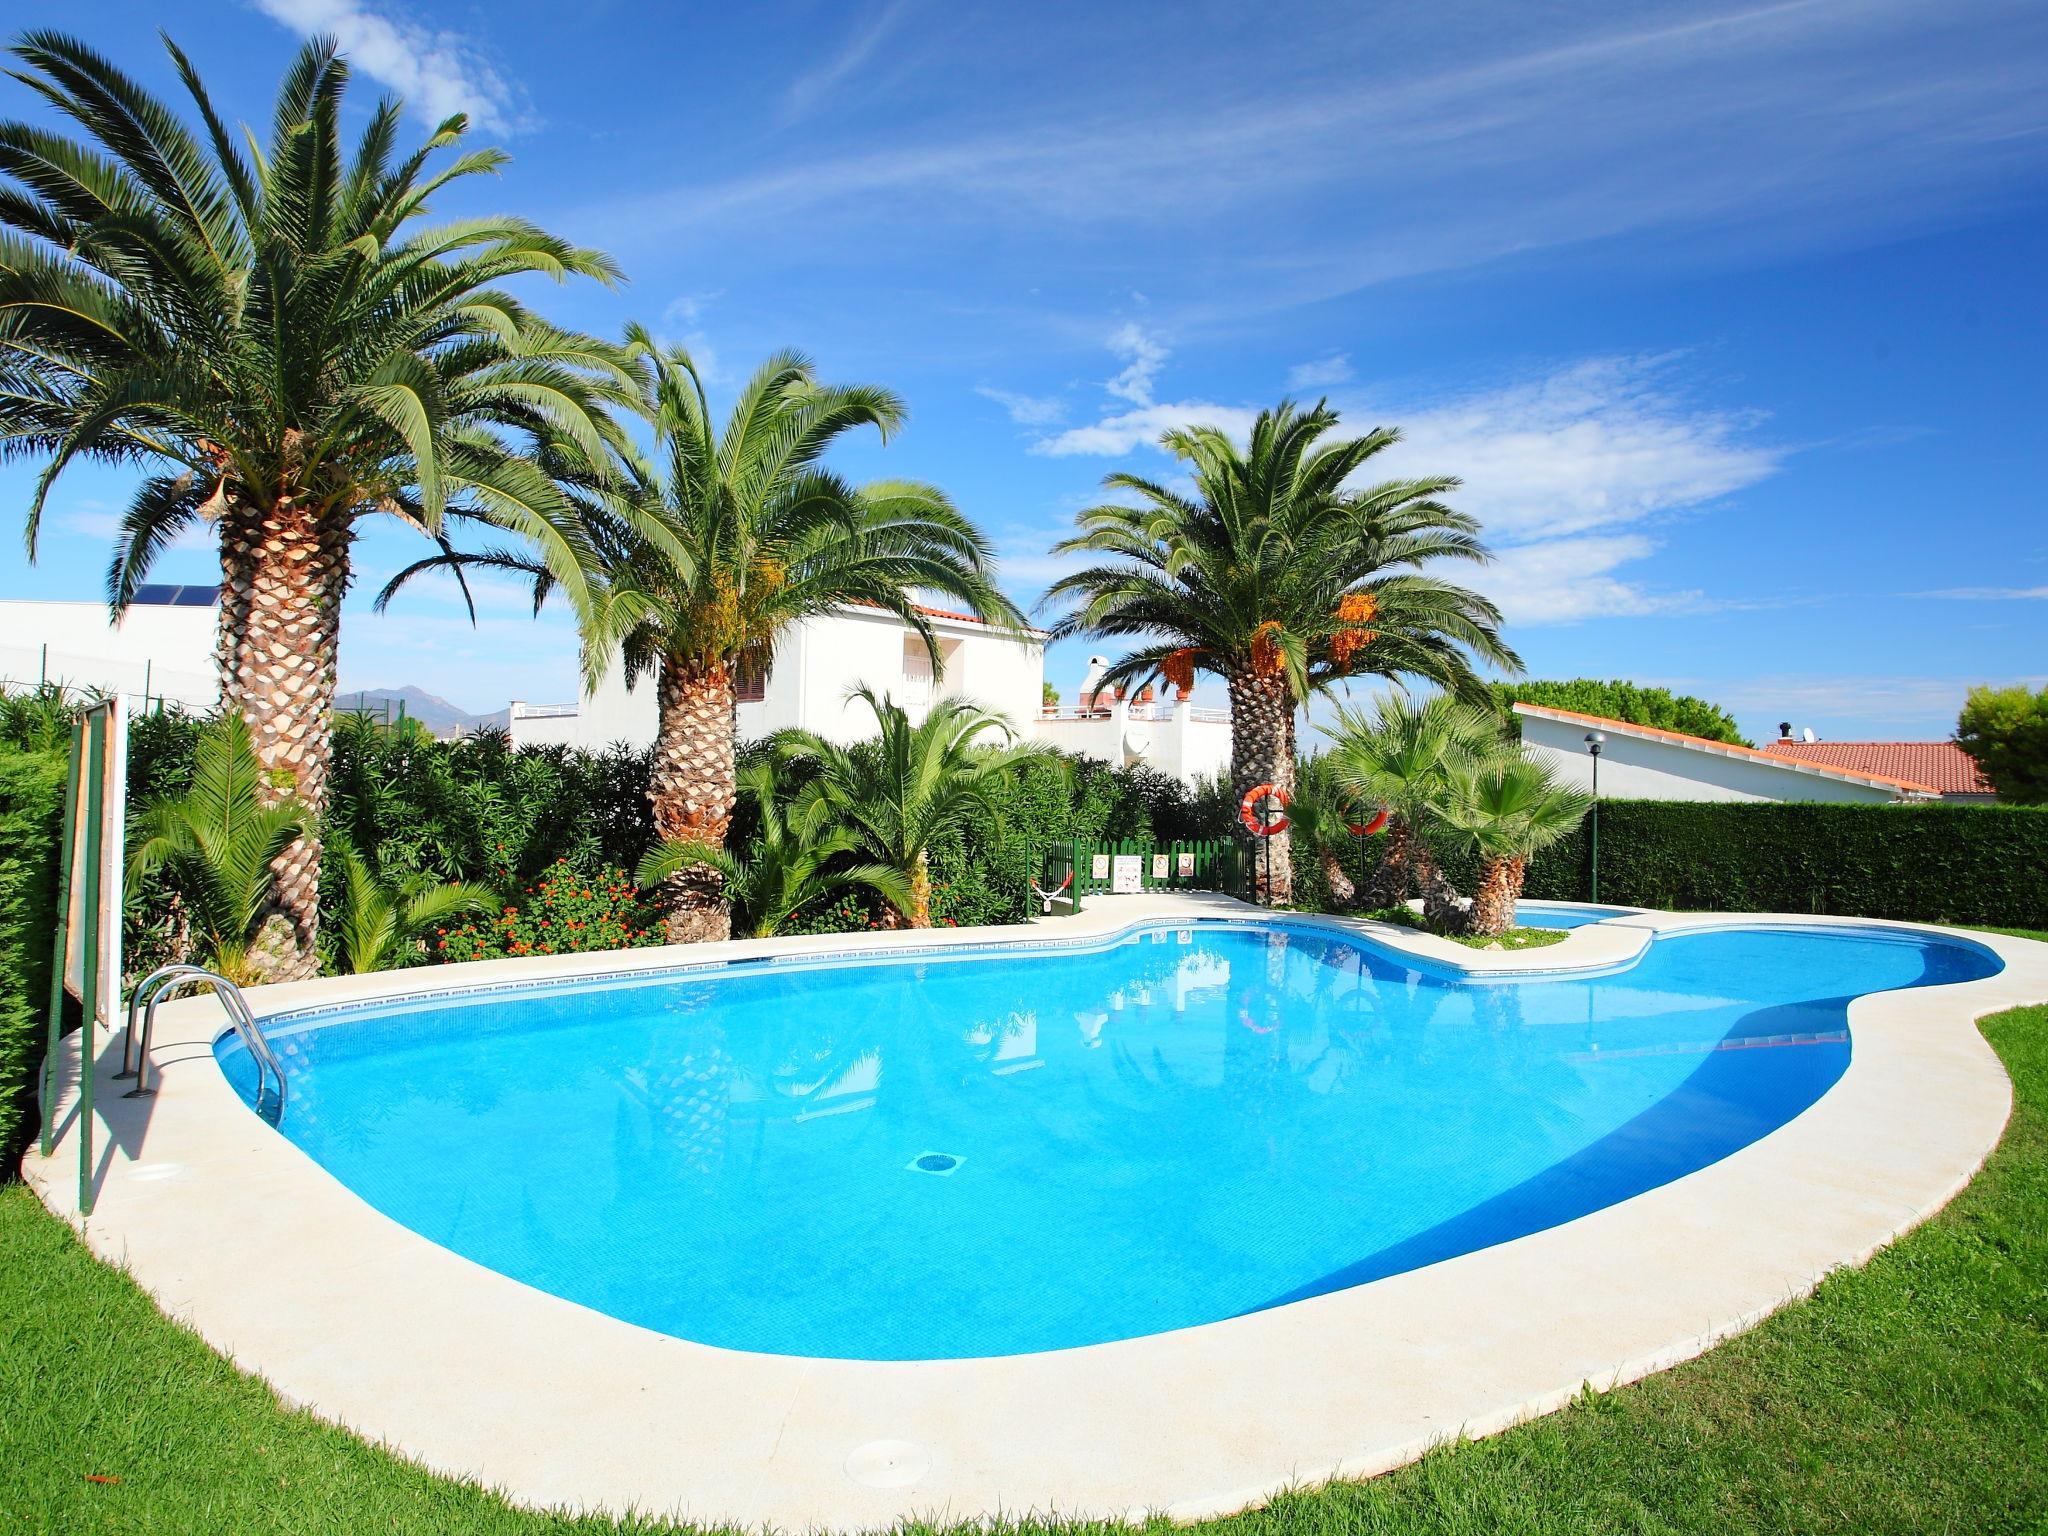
[1909, 1396]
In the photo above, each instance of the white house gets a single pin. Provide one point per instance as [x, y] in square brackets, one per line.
[822, 659]
[1640, 762]
[161, 650]
[1173, 738]
[816, 664]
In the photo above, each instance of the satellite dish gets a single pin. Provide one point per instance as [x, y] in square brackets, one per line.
[1807, 735]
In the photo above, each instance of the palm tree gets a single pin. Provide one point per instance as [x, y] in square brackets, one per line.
[908, 786]
[734, 537]
[383, 921]
[219, 844]
[1506, 812]
[281, 344]
[1400, 755]
[796, 856]
[1274, 576]
[1320, 819]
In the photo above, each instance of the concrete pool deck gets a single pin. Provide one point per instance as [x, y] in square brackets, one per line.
[241, 1236]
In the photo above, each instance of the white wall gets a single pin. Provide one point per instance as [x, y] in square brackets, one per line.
[1175, 739]
[815, 666]
[1633, 768]
[168, 649]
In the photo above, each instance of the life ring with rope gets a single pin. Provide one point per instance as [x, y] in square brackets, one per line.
[1377, 822]
[1249, 807]
[1049, 897]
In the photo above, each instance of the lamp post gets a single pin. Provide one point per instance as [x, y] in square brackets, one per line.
[1594, 741]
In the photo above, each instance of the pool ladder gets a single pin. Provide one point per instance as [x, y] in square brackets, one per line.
[160, 984]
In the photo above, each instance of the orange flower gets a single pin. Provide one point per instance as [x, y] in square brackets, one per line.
[1266, 658]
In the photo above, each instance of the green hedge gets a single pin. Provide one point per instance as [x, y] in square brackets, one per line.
[1984, 864]
[31, 826]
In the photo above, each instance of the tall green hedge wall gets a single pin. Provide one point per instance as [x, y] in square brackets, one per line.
[1984, 864]
[31, 818]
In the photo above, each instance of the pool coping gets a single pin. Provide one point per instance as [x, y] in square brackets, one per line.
[240, 1235]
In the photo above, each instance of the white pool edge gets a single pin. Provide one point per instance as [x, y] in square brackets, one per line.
[237, 1233]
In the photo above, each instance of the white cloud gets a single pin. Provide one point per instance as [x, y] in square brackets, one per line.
[1114, 436]
[1563, 469]
[1143, 358]
[1562, 581]
[687, 308]
[1985, 594]
[438, 72]
[1026, 410]
[1772, 127]
[1335, 369]
[1596, 444]
[809, 89]
[1119, 432]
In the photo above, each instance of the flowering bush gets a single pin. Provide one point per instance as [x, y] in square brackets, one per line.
[567, 912]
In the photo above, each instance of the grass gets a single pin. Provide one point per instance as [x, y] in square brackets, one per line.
[1514, 938]
[1907, 1396]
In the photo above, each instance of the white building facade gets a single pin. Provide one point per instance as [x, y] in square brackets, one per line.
[821, 660]
[1640, 762]
[161, 651]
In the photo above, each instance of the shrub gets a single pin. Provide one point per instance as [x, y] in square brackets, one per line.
[1619, 700]
[568, 911]
[1927, 863]
[31, 836]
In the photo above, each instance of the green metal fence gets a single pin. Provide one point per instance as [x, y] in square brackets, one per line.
[1074, 871]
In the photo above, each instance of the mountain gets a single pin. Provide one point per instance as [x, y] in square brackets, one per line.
[433, 712]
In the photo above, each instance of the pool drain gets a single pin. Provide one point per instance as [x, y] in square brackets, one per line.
[941, 1163]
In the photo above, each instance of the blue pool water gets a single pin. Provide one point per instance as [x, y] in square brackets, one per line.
[1550, 914]
[1005, 1152]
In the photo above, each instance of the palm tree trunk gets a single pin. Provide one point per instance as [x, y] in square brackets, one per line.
[1442, 908]
[691, 786]
[1262, 752]
[921, 892]
[284, 572]
[1342, 891]
[1493, 903]
[1393, 881]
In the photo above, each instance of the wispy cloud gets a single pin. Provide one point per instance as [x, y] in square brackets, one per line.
[1856, 118]
[1321, 374]
[1120, 431]
[1567, 469]
[1026, 410]
[1985, 594]
[439, 72]
[809, 89]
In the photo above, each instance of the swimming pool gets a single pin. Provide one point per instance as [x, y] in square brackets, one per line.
[1557, 914]
[1006, 1150]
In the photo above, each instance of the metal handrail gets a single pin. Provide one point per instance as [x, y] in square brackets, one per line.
[160, 984]
[145, 991]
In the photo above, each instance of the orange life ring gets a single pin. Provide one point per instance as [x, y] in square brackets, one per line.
[1377, 822]
[1248, 814]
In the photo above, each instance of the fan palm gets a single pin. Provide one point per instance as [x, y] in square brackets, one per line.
[283, 347]
[1400, 755]
[733, 537]
[218, 843]
[795, 857]
[1319, 823]
[909, 785]
[1506, 813]
[1276, 577]
[382, 921]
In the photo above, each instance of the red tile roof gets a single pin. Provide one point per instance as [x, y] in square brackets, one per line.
[1707, 744]
[1942, 764]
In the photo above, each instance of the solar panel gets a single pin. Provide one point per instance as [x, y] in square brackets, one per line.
[159, 594]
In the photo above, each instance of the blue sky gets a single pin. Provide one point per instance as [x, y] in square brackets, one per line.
[1732, 319]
